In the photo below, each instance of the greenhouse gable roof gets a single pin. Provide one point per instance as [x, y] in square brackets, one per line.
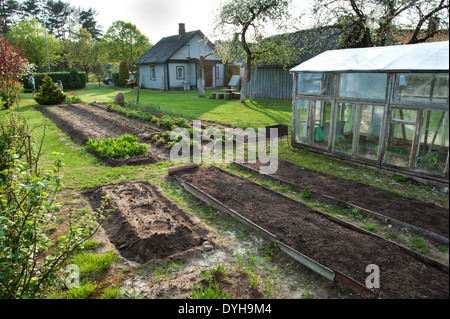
[432, 56]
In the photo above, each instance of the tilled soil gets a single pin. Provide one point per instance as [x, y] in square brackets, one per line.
[82, 122]
[145, 224]
[412, 211]
[334, 245]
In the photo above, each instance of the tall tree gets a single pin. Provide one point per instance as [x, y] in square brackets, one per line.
[30, 35]
[246, 20]
[88, 22]
[377, 22]
[8, 9]
[124, 42]
[81, 51]
[30, 9]
[57, 15]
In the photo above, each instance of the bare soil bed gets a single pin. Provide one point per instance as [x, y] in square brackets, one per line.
[409, 210]
[145, 225]
[82, 122]
[334, 245]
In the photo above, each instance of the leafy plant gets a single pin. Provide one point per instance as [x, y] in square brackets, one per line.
[125, 146]
[28, 266]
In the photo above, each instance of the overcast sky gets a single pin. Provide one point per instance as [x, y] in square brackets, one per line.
[158, 18]
[154, 18]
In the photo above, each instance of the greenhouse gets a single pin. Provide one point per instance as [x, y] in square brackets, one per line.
[385, 107]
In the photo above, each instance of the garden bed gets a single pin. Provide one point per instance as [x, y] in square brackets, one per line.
[145, 225]
[84, 122]
[332, 243]
[423, 215]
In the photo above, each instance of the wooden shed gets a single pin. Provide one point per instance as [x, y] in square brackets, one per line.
[385, 107]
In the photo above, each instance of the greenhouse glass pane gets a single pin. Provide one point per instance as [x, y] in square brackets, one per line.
[401, 136]
[421, 87]
[363, 85]
[301, 122]
[369, 131]
[313, 83]
[322, 124]
[433, 150]
[344, 128]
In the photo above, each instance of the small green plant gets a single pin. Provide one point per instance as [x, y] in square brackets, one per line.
[125, 146]
[271, 288]
[82, 292]
[92, 264]
[419, 244]
[198, 292]
[305, 193]
[110, 293]
[253, 278]
[372, 228]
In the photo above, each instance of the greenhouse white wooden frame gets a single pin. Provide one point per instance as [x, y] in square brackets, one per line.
[352, 104]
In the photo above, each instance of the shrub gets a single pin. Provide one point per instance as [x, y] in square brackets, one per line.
[29, 259]
[74, 80]
[49, 94]
[55, 76]
[13, 142]
[10, 90]
[125, 146]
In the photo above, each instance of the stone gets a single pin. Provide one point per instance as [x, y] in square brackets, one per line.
[120, 99]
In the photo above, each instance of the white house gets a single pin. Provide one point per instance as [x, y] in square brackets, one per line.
[172, 63]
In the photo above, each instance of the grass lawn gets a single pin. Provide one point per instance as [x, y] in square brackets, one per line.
[256, 114]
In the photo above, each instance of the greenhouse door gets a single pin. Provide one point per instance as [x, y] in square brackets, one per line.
[403, 137]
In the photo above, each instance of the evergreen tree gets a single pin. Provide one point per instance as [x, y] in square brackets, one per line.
[30, 9]
[48, 93]
[123, 73]
[88, 22]
[8, 9]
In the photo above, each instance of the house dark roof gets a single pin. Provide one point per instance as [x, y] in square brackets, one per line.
[166, 47]
[308, 44]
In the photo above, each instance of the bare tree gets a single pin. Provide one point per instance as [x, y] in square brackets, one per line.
[378, 22]
[246, 21]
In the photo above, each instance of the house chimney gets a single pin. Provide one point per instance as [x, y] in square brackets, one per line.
[181, 29]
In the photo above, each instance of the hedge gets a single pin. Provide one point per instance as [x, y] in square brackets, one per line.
[55, 76]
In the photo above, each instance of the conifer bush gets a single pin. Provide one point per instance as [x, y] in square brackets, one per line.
[49, 94]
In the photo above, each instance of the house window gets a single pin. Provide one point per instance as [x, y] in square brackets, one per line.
[152, 73]
[180, 72]
[217, 72]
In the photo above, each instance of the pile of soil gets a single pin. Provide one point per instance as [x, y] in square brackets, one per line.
[409, 210]
[145, 224]
[333, 244]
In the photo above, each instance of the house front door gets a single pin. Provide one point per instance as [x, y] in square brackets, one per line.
[209, 74]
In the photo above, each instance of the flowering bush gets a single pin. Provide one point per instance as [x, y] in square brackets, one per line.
[73, 98]
[12, 63]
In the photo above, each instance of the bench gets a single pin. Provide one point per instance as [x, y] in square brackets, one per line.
[220, 95]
